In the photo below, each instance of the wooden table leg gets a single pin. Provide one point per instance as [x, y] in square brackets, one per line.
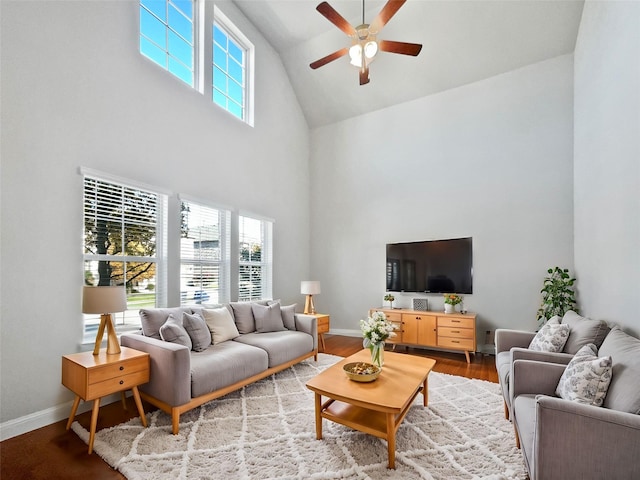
[322, 341]
[425, 393]
[74, 409]
[136, 397]
[318, 416]
[94, 422]
[391, 439]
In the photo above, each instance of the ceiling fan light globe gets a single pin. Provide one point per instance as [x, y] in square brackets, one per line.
[370, 49]
[355, 53]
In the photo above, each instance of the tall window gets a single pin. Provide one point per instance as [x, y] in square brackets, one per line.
[204, 254]
[232, 54]
[167, 36]
[255, 264]
[124, 238]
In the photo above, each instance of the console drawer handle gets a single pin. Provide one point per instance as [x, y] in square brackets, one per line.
[121, 367]
[455, 341]
[121, 382]
[455, 321]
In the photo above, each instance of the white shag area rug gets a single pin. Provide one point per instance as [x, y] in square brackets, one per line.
[267, 431]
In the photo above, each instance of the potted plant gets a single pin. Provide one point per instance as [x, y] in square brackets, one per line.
[450, 302]
[389, 298]
[558, 296]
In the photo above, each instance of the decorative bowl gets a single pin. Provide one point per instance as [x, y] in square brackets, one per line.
[362, 371]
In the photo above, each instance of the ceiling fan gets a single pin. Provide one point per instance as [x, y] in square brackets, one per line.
[365, 44]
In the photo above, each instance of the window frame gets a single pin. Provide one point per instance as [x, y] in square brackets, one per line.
[129, 320]
[266, 257]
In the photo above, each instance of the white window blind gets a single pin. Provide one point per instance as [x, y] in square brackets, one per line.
[204, 254]
[123, 244]
[255, 262]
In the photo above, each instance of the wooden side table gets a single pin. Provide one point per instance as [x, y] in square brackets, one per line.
[324, 324]
[92, 377]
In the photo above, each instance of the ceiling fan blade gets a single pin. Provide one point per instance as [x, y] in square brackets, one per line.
[388, 11]
[364, 75]
[334, 17]
[329, 58]
[403, 48]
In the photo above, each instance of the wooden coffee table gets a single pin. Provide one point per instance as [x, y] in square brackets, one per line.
[376, 408]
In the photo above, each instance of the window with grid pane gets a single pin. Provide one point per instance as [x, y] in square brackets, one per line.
[204, 254]
[167, 35]
[124, 229]
[229, 71]
[255, 266]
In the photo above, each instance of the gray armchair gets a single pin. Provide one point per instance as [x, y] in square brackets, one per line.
[512, 345]
[566, 440]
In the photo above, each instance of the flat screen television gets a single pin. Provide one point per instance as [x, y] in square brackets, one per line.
[432, 266]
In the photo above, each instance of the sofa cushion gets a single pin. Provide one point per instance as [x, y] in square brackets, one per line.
[243, 316]
[221, 324]
[550, 338]
[172, 331]
[288, 314]
[586, 378]
[281, 347]
[624, 390]
[224, 364]
[583, 331]
[198, 331]
[152, 319]
[267, 318]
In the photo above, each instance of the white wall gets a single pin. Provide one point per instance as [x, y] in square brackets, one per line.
[491, 160]
[607, 162]
[75, 91]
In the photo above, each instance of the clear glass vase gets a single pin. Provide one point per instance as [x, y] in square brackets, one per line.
[377, 353]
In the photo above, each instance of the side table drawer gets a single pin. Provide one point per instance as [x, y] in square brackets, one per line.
[117, 369]
[323, 324]
[116, 384]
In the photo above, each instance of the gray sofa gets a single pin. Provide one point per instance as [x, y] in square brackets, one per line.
[182, 379]
[513, 345]
[565, 440]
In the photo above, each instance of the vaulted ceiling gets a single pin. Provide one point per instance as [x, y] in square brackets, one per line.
[463, 41]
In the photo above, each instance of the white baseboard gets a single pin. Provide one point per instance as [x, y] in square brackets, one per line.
[346, 333]
[33, 421]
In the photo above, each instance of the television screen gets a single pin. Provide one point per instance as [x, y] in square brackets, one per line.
[433, 266]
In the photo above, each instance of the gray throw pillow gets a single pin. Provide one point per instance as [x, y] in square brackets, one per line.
[243, 316]
[268, 318]
[583, 331]
[288, 314]
[172, 331]
[198, 331]
[152, 319]
[586, 378]
[624, 393]
[550, 338]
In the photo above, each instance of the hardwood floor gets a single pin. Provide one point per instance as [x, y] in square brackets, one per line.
[53, 453]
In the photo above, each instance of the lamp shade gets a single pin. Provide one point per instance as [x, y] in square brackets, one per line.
[104, 299]
[310, 287]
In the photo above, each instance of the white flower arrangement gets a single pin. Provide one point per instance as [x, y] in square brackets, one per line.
[376, 329]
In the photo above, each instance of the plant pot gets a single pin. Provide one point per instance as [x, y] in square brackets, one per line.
[448, 308]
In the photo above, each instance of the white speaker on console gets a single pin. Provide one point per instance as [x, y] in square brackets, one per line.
[421, 304]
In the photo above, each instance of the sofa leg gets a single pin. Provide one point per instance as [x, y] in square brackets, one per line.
[175, 421]
[506, 410]
[517, 437]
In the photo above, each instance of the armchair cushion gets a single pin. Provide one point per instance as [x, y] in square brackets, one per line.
[583, 331]
[550, 338]
[586, 378]
[624, 390]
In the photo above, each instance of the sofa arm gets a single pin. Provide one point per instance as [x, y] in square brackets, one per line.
[308, 324]
[518, 353]
[528, 376]
[170, 373]
[507, 339]
[576, 441]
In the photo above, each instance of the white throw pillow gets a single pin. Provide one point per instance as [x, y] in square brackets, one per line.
[550, 338]
[586, 378]
[221, 324]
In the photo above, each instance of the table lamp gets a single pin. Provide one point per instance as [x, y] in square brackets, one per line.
[309, 288]
[105, 301]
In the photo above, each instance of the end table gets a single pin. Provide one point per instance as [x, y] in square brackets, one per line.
[92, 377]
